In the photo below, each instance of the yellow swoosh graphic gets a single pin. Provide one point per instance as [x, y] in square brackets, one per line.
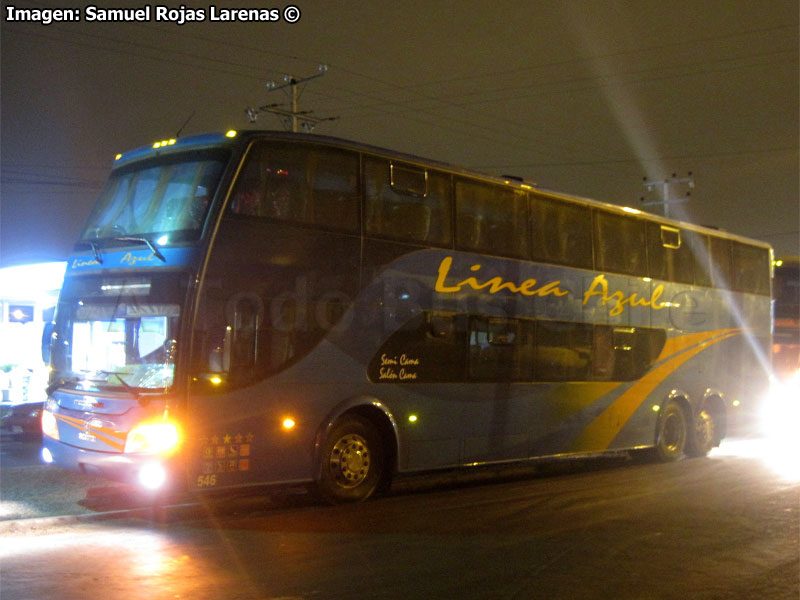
[111, 437]
[599, 434]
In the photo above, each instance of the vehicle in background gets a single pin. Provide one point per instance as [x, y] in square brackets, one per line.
[786, 336]
[780, 413]
[23, 418]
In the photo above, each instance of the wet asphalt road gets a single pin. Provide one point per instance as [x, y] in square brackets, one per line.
[726, 526]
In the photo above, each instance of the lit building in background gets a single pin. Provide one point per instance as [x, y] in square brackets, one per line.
[28, 296]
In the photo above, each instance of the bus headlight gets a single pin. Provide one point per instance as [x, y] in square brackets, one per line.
[152, 438]
[49, 424]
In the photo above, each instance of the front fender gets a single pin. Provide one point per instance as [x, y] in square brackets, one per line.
[368, 406]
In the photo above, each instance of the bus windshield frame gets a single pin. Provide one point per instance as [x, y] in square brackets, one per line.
[165, 198]
[118, 333]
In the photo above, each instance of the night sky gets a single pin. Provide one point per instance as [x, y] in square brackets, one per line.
[584, 97]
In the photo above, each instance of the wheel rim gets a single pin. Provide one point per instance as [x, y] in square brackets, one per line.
[350, 460]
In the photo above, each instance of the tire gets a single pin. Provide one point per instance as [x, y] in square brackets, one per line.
[705, 433]
[352, 461]
[672, 433]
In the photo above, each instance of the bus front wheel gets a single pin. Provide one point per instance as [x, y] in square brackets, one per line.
[671, 433]
[352, 461]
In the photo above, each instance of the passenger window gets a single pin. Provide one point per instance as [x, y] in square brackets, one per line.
[698, 245]
[500, 349]
[302, 184]
[625, 353]
[561, 232]
[429, 348]
[669, 257]
[492, 218]
[751, 269]
[406, 202]
[563, 351]
[620, 244]
[721, 262]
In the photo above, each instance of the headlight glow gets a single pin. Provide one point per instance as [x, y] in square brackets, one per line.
[49, 424]
[781, 409]
[152, 476]
[152, 438]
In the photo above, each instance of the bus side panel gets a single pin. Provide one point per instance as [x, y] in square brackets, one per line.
[270, 295]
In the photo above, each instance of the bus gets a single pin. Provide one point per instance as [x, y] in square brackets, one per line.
[786, 342]
[266, 308]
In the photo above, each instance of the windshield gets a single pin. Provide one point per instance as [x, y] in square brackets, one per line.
[118, 334]
[166, 196]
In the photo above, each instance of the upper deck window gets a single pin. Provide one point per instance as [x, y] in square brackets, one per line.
[670, 257]
[751, 268]
[492, 219]
[406, 202]
[561, 232]
[165, 195]
[721, 268]
[299, 183]
[620, 244]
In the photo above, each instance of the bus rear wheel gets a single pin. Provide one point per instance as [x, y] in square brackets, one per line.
[706, 432]
[352, 461]
[671, 433]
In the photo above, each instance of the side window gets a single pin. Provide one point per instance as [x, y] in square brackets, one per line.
[241, 337]
[429, 348]
[561, 232]
[698, 245]
[625, 353]
[563, 351]
[500, 349]
[721, 262]
[670, 257]
[406, 202]
[620, 244]
[751, 269]
[299, 183]
[491, 219]
[333, 178]
[448, 347]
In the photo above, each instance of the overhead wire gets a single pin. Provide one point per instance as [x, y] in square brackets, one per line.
[411, 110]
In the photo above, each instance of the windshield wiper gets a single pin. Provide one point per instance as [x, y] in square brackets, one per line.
[128, 387]
[95, 249]
[143, 240]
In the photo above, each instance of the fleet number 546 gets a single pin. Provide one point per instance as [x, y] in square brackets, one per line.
[206, 481]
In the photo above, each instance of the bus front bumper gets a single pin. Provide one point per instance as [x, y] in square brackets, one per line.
[146, 471]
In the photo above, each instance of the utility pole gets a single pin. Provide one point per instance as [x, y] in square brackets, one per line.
[667, 189]
[294, 118]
